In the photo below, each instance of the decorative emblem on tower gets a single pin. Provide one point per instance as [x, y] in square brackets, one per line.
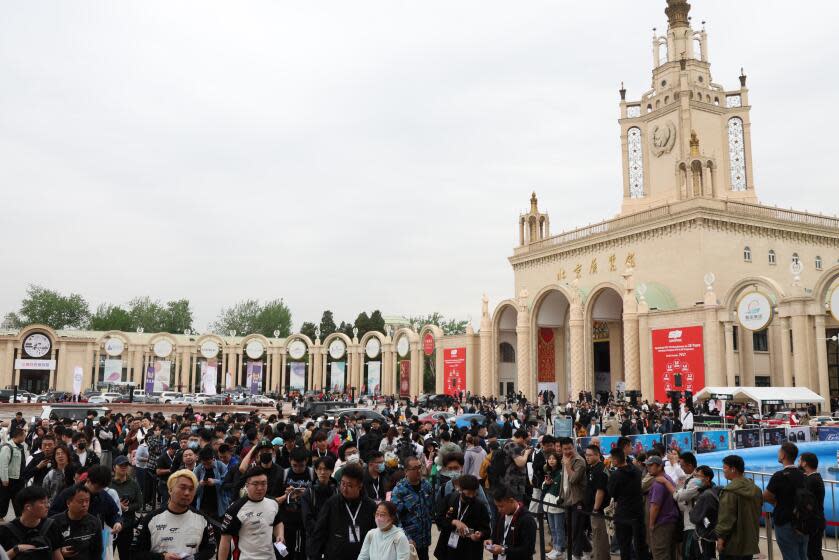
[663, 138]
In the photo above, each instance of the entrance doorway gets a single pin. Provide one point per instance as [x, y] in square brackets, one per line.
[832, 361]
[34, 381]
[602, 371]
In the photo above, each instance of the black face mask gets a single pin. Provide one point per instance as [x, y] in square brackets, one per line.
[81, 445]
[266, 458]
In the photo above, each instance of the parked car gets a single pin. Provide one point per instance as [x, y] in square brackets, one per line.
[435, 401]
[71, 411]
[465, 420]
[202, 397]
[782, 418]
[824, 421]
[315, 409]
[25, 397]
[97, 399]
[434, 417]
[166, 397]
[366, 415]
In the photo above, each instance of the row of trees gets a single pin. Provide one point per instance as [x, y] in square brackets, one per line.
[59, 311]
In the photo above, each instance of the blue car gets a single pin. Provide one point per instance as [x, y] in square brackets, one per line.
[465, 420]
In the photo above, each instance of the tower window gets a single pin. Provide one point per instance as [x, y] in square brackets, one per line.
[747, 254]
[795, 259]
[636, 163]
[818, 263]
[771, 256]
[736, 154]
[760, 341]
[735, 335]
[507, 353]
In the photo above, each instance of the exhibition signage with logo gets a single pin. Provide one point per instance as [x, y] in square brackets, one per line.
[209, 371]
[454, 368]
[828, 433]
[337, 349]
[162, 348]
[404, 378]
[114, 347]
[428, 344]
[162, 375]
[374, 378]
[834, 303]
[754, 311]
[113, 371]
[743, 439]
[403, 346]
[28, 363]
[254, 349]
[642, 443]
[713, 440]
[680, 441]
[678, 361]
[297, 375]
[296, 349]
[563, 427]
[149, 385]
[798, 434]
[373, 347]
[78, 372]
[774, 436]
[546, 360]
[254, 373]
[209, 349]
[337, 371]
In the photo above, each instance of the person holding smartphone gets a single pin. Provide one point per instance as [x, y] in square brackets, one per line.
[81, 533]
[31, 535]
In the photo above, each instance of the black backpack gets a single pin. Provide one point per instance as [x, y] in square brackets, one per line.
[806, 515]
[405, 449]
[498, 466]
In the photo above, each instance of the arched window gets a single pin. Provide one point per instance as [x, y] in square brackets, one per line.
[818, 262]
[636, 163]
[795, 258]
[736, 154]
[747, 254]
[507, 354]
[771, 256]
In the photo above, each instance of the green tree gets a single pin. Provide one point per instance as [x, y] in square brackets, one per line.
[146, 313]
[50, 308]
[450, 326]
[362, 322]
[248, 316]
[327, 324]
[110, 318]
[347, 328]
[377, 322]
[308, 328]
[177, 317]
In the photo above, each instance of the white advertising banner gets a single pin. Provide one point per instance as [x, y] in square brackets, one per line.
[336, 378]
[754, 311]
[78, 373]
[374, 378]
[228, 381]
[113, 371]
[27, 363]
[208, 377]
[162, 370]
[297, 375]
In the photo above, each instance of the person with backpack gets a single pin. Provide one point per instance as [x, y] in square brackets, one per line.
[81, 533]
[625, 489]
[31, 535]
[292, 485]
[463, 522]
[703, 514]
[813, 482]
[514, 535]
[12, 462]
[784, 491]
[738, 520]
[413, 498]
[376, 483]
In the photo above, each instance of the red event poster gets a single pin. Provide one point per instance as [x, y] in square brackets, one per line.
[678, 361]
[547, 356]
[428, 344]
[405, 378]
[454, 367]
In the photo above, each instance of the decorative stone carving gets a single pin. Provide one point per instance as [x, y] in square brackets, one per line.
[663, 138]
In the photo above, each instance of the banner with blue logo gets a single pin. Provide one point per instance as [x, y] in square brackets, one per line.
[680, 441]
[828, 433]
[743, 439]
[563, 427]
[712, 440]
[774, 436]
[644, 442]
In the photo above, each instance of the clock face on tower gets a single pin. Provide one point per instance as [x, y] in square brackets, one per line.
[37, 345]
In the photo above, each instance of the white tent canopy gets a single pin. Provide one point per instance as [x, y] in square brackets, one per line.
[790, 395]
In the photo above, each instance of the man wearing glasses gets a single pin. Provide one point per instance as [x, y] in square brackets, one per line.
[250, 518]
[413, 498]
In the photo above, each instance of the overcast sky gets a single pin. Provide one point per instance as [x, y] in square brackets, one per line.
[354, 155]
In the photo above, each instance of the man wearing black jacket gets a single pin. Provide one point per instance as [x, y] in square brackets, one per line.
[371, 440]
[41, 461]
[515, 529]
[625, 488]
[323, 488]
[345, 519]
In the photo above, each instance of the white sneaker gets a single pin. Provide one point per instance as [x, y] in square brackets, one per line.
[552, 555]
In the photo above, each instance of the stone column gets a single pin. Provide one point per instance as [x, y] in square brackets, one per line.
[786, 353]
[523, 357]
[730, 360]
[387, 366]
[88, 353]
[240, 360]
[803, 377]
[711, 336]
[576, 336]
[645, 369]
[485, 337]
[416, 369]
[631, 353]
[821, 361]
[94, 373]
[310, 374]
[747, 355]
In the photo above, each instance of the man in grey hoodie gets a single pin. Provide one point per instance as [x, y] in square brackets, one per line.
[474, 457]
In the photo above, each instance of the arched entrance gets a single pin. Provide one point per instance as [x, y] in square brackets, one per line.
[604, 340]
[298, 370]
[406, 347]
[505, 349]
[36, 358]
[336, 362]
[372, 344]
[551, 335]
[432, 369]
[826, 295]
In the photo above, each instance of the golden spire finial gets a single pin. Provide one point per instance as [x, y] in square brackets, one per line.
[534, 209]
[677, 13]
[694, 144]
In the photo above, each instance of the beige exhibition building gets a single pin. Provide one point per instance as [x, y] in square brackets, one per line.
[694, 283]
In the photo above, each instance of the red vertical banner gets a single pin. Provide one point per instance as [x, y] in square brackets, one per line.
[405, 378]
[546, 352]
[678, 361]
[428, 344]
[454, 368]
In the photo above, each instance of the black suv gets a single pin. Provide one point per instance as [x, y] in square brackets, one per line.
[314, 409]
[435, 401]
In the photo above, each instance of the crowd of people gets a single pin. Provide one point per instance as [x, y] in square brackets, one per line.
[249, 485]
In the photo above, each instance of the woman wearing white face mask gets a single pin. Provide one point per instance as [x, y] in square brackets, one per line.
[386, 541]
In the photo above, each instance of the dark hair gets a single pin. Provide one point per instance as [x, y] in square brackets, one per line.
[327, 461]
[224, 448]
[31, 494]
[520, 433]
[77, 489]
[503, 492]
[299, 455]
[596, 449]
[205, 453]
[16, 431]
[618, 455]
[391, 510]
[622, 442]
[46, 437]
[811, 459]
[374, 455]
[790, 450]
[99, 474]
[688, 458]
[255, 471]
[342, 451]
[565, 441]
[353, 471]
[548, 438]
[734, 462]
[320, 435]
[706, 471]
[453, 456]
[468, 482]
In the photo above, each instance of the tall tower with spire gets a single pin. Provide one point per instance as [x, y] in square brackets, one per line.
[687, 137]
